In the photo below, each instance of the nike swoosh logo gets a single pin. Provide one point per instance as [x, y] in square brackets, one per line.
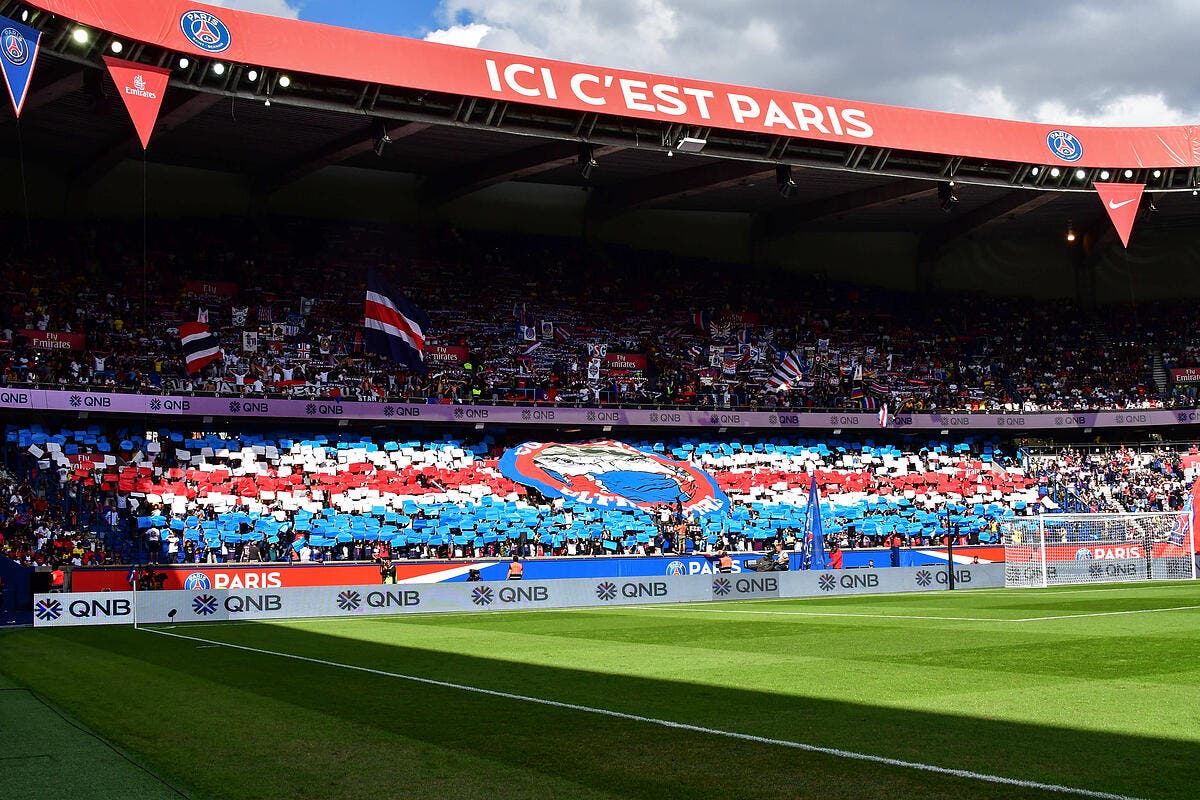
[1114, 206]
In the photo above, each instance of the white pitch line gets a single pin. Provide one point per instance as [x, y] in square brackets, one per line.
[1107, 613]
[814, 613]
[746, 737]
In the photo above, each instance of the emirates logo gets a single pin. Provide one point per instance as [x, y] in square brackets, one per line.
[139, 83]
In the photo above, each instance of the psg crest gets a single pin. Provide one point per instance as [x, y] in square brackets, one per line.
[205, 30]
[611, 474]
[14, 47]
[1064, 145]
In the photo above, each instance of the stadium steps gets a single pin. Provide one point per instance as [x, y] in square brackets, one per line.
[1162, 378]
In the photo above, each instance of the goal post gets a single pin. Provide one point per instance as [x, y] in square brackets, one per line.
[1058, 549]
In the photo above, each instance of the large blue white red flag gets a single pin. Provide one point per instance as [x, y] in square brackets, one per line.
[394, 327]
[884, 418]
[18, 55]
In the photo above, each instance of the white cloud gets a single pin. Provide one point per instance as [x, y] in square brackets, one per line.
[1130, 109]
[1073, 62]
[469, 35]
[275, 8]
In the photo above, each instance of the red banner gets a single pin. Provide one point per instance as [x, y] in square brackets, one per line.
[1121, 201]
[254, 576]
[211, 288]
[286, 44]
[141, 88]
[625, 361]
[53, 340]
[1096, 551]
[447, 354]
[1185, 375]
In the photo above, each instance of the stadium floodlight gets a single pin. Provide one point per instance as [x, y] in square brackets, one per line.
[784, 181]
[285, 81]
[1054, 172]
[184, 63]
[80, 35]
[382, 140]
[218, 68]
[252, 75]
[1080, 174]
[586, 161]
[1157, 174]
[1035, 171]
[24, 15]
[1103, 174]
[116, 46]
[1070, 233]
[1128, 173]
[691, 144]
[947, 199]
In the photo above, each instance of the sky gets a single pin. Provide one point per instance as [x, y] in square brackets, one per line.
[1099, 62]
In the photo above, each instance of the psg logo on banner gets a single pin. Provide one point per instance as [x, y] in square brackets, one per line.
[609, 474]
[18, 55]
[1064, 145]
[205, 31]
[16, 49]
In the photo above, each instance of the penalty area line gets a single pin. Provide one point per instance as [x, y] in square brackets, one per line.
[1106, 613]
[745, 737]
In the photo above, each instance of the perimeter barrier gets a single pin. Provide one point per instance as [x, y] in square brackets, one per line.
[220, 605]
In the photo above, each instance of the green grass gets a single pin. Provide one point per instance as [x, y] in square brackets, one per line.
[1105, 703]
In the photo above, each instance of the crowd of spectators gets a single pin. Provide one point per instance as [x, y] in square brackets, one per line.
[1118, 479]
[36, 531]
[164, 498]
[518, 318]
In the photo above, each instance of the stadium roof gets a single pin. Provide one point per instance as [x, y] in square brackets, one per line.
[463, 120]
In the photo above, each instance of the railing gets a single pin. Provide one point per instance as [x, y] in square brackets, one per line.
[529, 398]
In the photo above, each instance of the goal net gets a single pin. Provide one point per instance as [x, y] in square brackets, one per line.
[1055, 549]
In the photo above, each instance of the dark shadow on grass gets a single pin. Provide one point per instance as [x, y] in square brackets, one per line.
[633, 759]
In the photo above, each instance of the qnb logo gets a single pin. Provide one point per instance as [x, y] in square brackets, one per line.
[722, 587]
[14, 47]
[826, 583]
[483, 596]
[197, 580]
[48, 610]
[606, 591]
[1064, 145]
[924, 577]
[349, 600]
[205, 30]
[204, 605]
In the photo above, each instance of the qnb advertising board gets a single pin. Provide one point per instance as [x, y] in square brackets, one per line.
[216, 605]
[26, 400]
[610, 474]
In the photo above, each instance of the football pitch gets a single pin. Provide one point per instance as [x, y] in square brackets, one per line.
[1068, 692]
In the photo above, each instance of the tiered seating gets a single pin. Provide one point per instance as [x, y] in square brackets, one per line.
[330, 490]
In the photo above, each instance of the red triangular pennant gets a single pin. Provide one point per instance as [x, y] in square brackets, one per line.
[142, 88]
[1121, 201]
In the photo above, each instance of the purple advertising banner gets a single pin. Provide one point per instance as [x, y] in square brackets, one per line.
[236, 407]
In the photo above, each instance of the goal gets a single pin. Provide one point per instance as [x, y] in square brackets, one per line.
[1056, 549]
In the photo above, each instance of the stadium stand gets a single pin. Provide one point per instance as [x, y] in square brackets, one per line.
[524, 319]
[83, 494]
